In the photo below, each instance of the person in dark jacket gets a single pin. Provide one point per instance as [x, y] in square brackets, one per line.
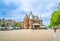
[55, 29]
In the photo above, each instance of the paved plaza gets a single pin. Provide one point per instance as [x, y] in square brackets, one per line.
[30, 35]
[57, 35]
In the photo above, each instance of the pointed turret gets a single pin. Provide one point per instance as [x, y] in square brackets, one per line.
[40, 17]
[31, 15]
[26, 16]
[26, 22]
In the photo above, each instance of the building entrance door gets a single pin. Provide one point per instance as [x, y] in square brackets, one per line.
[37, 26]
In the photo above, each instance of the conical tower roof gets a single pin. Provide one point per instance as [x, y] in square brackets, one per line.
[26, 16]
[40, 17]
[31, 15]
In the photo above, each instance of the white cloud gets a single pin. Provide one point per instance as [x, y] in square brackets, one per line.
[38, 7]
[46, 14]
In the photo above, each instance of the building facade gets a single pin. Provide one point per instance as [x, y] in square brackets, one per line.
[8, 22]
[31, 21]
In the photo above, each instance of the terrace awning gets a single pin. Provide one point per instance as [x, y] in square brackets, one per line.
[35, 24]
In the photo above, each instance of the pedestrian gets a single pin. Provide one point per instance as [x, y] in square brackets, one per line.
[55, 30]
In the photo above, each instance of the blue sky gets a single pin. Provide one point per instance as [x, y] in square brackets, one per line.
[17, 9]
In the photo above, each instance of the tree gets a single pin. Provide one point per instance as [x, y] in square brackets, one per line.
[18, 24]
[3, 25]
[55, 18]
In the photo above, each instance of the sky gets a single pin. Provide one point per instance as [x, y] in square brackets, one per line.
[17, 9]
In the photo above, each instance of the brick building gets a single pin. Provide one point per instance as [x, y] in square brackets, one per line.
[8, 22]
[31, 21]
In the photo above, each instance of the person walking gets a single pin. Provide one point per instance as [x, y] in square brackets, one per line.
[55, 29]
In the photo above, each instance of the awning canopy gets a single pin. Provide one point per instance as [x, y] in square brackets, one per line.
[35, 24]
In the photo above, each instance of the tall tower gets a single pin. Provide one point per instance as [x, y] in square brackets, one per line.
[40, 20]
[26, 22]
[30, 20]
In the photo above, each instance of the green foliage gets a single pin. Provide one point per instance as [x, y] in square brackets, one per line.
[43, 25]
[18, 24]
[55, 18]
[50, 26]
[3, 25]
